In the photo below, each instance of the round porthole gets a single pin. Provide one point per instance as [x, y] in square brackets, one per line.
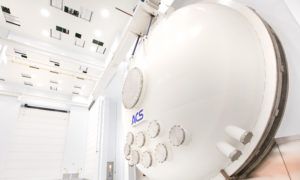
[176, 135]
[146, 159]
[134, 158]
[161, 153]
[153, 129]
[132, 88]
[129, 138]
[140, 139]
[127, 150]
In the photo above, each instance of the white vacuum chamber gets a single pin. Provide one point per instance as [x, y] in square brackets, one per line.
[204, 94]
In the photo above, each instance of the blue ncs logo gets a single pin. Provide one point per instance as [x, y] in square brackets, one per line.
[139, 116]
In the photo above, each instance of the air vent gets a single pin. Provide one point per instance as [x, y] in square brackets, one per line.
[55, 34]
[34, 67]
[97, 42]
[75, 93]
[83, 69]
[9, 18]
[57, 4]
[53, 82]
[77, 87]
[53, 88]
[55, 63]
[62, 29]
[86, 14]
[26, 76]
[21, 53]
[28, 83]
[80, 78]
[54, 72]
[77, 35]
[71, 11]
[5, 9]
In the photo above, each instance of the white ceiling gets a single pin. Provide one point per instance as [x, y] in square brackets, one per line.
[32, 37]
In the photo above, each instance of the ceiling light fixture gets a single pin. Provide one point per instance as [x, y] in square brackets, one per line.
[105, 13]
[45, 12]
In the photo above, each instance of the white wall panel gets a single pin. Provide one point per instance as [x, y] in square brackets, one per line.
[36, 147]
[75, 148]
[92, 146]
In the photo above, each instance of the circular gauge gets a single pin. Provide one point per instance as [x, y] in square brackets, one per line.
[176, 135]
[140, 139]
[153, 129]
[127, 150]
[146, 159]
[161, 153]
[129, 138]
[132, 88]
[134, 158]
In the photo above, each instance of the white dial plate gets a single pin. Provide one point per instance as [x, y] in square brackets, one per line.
[146, 159]
[134, 158]
[176, 135]
[127, 150]
[129, 138]
[161, 153]
[153, 129]
[140, 139]
[132, 88]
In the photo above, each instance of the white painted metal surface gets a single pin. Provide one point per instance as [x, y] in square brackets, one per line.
[36, 147]
[206, 66]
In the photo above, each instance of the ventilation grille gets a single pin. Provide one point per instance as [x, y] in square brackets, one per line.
[28, 83]
[26, 76]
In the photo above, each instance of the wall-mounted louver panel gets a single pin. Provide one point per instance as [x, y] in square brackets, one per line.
[9, 18]
[57, 4]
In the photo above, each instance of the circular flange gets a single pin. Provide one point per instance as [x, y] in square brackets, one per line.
[134, 157]
[132, 88]
[153, 129]
[161, 153]
[129, 138]
[176, 135]
[140, 139]
[127, 150]
[146, 159]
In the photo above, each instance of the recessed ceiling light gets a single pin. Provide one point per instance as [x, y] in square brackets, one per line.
[45, 33]
[105, 13]
[98, 33]
[45, 12]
